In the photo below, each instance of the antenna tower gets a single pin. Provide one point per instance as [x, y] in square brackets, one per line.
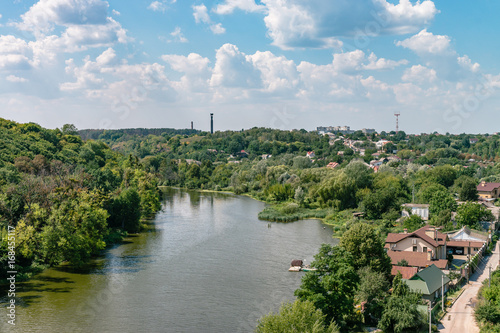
[397, 114]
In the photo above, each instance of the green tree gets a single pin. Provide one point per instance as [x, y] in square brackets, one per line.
[298, 317]
[466, 188]
[471, 213]
[367, 248]
[75, 230]
[332, 287]
[125, 211]
[413, 223]
[401, 313]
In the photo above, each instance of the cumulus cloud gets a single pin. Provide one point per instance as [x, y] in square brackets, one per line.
[233, 69]
[230, 5]
[196, 72]
[200, 14]
[109, 79]
[14, 53]
[83, 24]
[419, 74]
[45, 14]
[320, 23]
[438, 53]
[427, 43]
[16, 79]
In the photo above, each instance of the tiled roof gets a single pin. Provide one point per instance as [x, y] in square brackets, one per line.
[416, 259]
[458, 243]
[420, 233]
[487, 187]
[406, 272]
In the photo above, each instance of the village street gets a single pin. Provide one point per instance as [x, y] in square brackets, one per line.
[460, 318]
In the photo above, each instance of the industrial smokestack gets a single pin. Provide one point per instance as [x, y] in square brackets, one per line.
[212, 123]
[192, 125]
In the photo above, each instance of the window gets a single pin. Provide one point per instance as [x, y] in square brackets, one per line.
[425, 249]
[415, 248]
[476, 249]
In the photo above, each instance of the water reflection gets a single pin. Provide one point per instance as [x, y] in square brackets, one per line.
[207, 264]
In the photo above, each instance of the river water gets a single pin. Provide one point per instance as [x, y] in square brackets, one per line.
[206, 264]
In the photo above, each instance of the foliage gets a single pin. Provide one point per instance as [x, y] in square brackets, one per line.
[366, 248]
[413, 223]
[332, 287]
[401, 313]
[299, 316]
[471, 213]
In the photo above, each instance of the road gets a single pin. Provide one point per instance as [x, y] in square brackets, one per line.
[460, 318]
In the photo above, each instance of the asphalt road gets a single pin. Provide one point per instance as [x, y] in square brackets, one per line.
[460, 318]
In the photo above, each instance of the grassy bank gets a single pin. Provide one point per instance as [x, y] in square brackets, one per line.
[289, 212]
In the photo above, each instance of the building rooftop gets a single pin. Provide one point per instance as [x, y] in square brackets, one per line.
[415, 259]
[406, 272]
[487, 187]
[439, 239]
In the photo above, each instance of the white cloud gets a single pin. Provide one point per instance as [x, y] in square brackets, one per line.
[320, 23]
[278, 74]
[230, 5]
[115, 12]
[427, 43]
[196, 72]
[437, 52]
[465, 62]
[178, 36]
[217, 28]
[45, 14]
[81, 25]
[200, 14]
[14, 53]
[233, 69]
[114, 81]
[157, 6]
[16, 79]
[419, 74]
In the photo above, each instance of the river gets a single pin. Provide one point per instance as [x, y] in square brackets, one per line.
[206, 264]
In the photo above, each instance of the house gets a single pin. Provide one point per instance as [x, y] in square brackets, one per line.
[266, 156]
[429, 283]
[380, 144]
[473, 141]
[311, 154]
[242, 154]
[406, 272]
[421, 210]
[488, 190]
[466, 241]
[423, 240]
[332, 165]
[416, 259]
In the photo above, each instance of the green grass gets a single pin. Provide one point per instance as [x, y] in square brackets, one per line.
[289, 212]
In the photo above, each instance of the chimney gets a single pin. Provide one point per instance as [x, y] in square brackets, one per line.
[430, 232]
[405, 231]
[435, 235]
[212, 123]
[483, 183]
[429, 255]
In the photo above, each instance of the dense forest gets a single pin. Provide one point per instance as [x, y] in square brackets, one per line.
[67, 199]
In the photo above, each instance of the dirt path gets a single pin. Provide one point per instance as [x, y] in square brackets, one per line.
[460, 318]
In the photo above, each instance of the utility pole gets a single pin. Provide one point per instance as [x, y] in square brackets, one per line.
[442, 293]
[430, 317]
[489, 281]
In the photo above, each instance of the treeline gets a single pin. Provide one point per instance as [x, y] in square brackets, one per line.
[271, 165]
[66, 198]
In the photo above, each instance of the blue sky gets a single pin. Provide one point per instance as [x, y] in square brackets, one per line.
[273, 63]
